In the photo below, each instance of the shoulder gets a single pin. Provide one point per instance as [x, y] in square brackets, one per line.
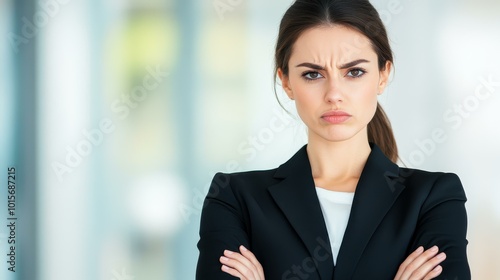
[434, 186]
[418, 176]
[416, 183]
[244, 177]
[245, 181]
[427, 178]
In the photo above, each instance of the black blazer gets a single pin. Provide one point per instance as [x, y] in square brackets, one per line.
[276, 214]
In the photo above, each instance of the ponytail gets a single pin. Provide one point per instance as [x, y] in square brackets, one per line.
[380, 133]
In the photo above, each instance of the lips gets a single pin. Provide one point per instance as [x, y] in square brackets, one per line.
[336, 117]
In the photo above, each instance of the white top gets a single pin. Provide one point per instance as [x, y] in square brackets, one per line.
[336, 207]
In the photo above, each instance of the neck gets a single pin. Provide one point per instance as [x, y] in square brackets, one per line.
[338, 161]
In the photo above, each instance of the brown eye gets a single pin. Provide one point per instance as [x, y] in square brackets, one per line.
[356, 73]
[312, 75]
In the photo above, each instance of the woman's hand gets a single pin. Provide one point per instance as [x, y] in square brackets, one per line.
[244, 265]
[421, 265]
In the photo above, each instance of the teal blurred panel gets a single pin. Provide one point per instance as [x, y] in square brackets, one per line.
[25, 144]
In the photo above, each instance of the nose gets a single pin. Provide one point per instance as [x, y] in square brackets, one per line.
[334, 93]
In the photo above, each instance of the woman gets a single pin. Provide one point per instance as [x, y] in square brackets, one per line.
[340, 208]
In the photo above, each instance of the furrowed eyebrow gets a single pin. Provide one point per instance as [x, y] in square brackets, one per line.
[311, 65]
[343, 66]
[353, 63]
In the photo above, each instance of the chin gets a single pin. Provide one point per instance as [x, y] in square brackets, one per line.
[338, 138]
[339, 135]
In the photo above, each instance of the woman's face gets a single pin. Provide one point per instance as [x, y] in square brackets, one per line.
[334, 79]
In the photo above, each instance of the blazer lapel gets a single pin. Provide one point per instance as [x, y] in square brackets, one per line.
[296, 196]
[377, 189]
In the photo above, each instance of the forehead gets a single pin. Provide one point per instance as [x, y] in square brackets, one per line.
[337, 42]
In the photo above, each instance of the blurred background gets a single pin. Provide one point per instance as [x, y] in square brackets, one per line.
[116, 114]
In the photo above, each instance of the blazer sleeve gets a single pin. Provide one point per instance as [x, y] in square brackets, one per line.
[443, 222]
[222, 227]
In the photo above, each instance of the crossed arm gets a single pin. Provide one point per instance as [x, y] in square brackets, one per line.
[418, 265]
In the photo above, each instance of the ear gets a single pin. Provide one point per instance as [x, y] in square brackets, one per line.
[285, 83]
[384, 77]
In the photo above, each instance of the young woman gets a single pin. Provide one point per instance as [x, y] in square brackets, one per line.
[340, 208]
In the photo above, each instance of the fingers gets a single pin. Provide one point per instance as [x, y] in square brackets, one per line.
[242, 266]
[231, 271]
[421, 265]
[430, 269]
[408, 260]
[434, 273]
[251, 257]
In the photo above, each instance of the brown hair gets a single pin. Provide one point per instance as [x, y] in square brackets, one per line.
[357, 14]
